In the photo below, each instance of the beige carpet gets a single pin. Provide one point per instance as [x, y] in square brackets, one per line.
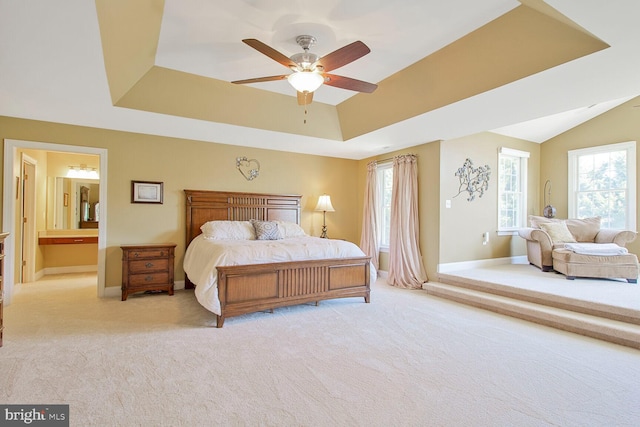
[406, 359]
[614, 292]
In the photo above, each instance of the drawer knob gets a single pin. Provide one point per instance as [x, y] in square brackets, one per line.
[136, 254]
[149, 265]
[148, 279]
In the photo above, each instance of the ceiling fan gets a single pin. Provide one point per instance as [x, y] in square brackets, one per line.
[311, 71]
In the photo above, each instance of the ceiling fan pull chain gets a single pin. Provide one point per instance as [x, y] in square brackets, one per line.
[305, 108]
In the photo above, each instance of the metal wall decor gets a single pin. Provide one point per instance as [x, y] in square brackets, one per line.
[473, 180]
[249, 168]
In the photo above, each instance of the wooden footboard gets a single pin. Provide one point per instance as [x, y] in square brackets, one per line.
[249, 288]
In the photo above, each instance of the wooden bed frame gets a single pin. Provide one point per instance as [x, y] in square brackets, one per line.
[249, 288]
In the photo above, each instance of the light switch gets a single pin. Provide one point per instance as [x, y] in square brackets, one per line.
[447, 204]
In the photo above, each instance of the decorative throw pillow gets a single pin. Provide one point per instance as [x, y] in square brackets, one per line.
[228, 230]
[266, 230]
[584, 230]
[535, 221]
[290, 229]
[558, 232]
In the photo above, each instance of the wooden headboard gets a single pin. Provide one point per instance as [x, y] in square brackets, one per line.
[203, 206]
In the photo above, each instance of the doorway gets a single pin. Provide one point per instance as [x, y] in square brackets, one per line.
[12, 209]
[28, 222]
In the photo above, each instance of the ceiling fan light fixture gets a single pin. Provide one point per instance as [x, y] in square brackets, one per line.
[308, 69]
[305, 81]
[305, 60]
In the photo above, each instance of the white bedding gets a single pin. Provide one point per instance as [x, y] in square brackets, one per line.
[203, 255]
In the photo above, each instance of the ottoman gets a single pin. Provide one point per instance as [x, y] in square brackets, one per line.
[575, 265]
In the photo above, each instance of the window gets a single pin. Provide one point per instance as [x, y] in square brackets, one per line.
[602, 182]
[385, 184]
[512, 190]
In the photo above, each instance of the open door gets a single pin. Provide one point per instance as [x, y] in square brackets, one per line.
[28, 211]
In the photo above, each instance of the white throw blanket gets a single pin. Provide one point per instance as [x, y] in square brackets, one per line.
[602, 249]
[202, 257]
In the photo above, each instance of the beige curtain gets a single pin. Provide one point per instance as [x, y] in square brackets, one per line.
[406, 269]
[369, 238]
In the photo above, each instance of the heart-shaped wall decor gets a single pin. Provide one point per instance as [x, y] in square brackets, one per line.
[249, 168]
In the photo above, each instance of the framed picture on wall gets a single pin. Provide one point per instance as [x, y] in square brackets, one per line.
[146, 192]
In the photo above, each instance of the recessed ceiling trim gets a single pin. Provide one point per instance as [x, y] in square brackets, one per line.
[522, 42]
[518, 44]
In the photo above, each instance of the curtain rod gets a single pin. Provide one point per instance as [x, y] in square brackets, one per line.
[391, 158]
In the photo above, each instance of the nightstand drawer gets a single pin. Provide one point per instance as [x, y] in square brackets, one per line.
[148, 266]
[148, 253]
[149, 279]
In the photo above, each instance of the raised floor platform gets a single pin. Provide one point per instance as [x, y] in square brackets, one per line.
[599, 308]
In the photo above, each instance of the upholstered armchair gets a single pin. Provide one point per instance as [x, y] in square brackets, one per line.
[541, 242]
[539, 247]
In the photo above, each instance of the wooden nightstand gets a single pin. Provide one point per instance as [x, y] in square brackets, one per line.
[147, 268]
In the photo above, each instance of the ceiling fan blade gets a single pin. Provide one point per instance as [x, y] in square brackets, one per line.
[344, 55]
[349, 83]
[260, 79]
[305, 98]
[270, 52]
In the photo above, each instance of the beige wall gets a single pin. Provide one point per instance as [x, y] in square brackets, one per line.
[621, 124]
[58, 163]
[447, 235]
[455, 234]
[465, 222]
[184, 164]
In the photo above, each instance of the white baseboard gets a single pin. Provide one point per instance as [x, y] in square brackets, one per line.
[467, 265]
[113, 292]
[69, 269]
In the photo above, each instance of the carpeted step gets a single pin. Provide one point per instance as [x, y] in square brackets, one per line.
[597, 309]
[584, 324]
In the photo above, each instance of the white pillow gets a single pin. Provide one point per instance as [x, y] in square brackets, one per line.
[228, 230]
[290, 229]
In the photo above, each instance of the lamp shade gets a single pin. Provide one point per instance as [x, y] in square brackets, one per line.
[305, 81]
[324, 204]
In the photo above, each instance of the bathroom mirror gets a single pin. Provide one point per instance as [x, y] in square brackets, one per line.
[72, 203]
